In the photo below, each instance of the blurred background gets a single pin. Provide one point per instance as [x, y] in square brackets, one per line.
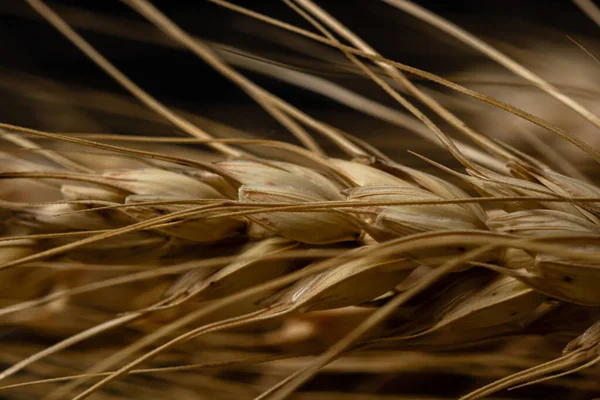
[47, 83]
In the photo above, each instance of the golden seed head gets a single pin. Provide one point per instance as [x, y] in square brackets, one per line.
[246, 272]
[156, 181]
[543, 223]
[402, 220]
[281, 175]
[80, 192]
[61, 218]
[351, 283]
[365, 175]
[196, 228]
[314, 227]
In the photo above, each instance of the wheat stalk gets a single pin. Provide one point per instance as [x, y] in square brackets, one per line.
[232, 258]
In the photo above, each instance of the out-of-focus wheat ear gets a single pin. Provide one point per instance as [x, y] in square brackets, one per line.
[211, 307]
[439, 300]
[106, 363]
[33, 282]
[287, 386]
[305, 333]
[590, 9]
[211, 264]
[249, 270]
[119, 321]
[401, 79]
[503, 300]
[101, 236]
[177, 368]
[348, 284]
[259, 64]
[525, 376]
[494, 54]
[579, 354]
[25, 190]
[595, 154]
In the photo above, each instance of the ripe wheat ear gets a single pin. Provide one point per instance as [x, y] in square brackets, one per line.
[247, 269]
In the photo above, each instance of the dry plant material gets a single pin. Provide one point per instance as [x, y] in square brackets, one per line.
[175, 262]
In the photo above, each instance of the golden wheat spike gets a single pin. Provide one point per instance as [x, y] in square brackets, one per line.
[262, 264]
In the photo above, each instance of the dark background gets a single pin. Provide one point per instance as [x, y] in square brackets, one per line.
[32, 45]
[31, 49]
